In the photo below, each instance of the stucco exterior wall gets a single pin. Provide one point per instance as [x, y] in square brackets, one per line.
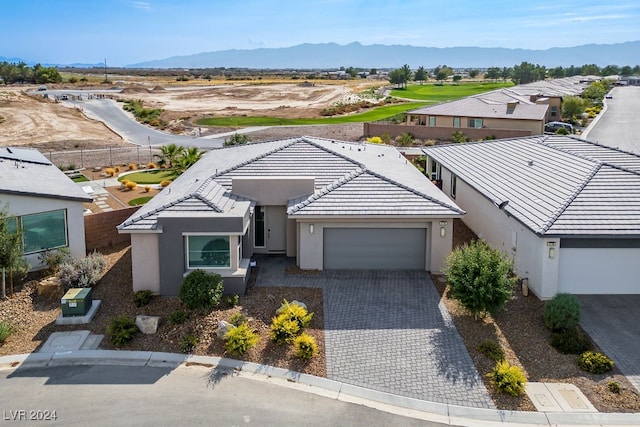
[273, 191]
[535, 127]
[145, 270]
[24, 205]
[529, 252]
[311, 245]
[440, 133]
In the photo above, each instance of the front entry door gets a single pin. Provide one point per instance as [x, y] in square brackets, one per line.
[276, 224]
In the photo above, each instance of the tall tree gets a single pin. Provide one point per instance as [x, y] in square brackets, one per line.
[420, 75]
[492, 73]
[457, 78]
[572, 107]
[407, 73]
[11, 245]
[169, 154]
[473, 73]
[441, 76]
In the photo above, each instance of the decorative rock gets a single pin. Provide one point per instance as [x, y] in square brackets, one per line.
[223, 328]
[147, 324]
[49, 287]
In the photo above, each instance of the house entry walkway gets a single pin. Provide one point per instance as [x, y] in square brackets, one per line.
[387, 330]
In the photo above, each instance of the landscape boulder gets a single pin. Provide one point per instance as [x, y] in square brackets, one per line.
[223, 328]
[147, 324]
[49, 287]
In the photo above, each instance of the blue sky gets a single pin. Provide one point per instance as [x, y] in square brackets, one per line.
[126, 32]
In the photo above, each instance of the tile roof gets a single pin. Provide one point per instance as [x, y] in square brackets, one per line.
[25, 171]
[555, 185]
[477, 107]
[350, 179]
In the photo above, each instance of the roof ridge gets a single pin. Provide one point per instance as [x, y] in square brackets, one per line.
[261, 156]
[327, 189]
[310, 141]
[162, 208]
[207, 202]
[547, 225]
[406, 187]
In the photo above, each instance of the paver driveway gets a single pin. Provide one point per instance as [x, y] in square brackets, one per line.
[612, 322]
[388, 331]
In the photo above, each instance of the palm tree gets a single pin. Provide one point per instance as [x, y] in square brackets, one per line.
[188, 158]
[169, 154]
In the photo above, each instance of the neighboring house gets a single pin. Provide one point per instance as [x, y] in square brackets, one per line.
[517, 111]
[566, 210]
[329, 204]
[47, 204]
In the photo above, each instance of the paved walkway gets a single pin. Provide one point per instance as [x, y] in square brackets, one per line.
[612, 322]
[388, 331]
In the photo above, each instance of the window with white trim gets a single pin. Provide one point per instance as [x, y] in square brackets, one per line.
[456, 122]
[207, 251]
[432, 121]
[44, 230]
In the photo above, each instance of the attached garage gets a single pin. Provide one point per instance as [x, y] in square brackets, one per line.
[375, 248]
[599, 270]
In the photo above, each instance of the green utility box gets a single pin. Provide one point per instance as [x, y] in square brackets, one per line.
[76, 302]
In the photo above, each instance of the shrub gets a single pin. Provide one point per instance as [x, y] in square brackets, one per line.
[130, 185]
[201, 290]
[236, 139]
[132, 166]
[6, 329]
[405, 139]
[165, 183]
[110, 171]
[386, 138]
[151, 165]
[479, 277]
[178, 317]
[188, 343]
[296, 313]
[459, 137]
[121, 330]
[562, 312]
[82, 272]
[283, 329]
[491, 349]
[614, 387]
[54, 258]
[142, 298]
[571, 341]
[147, 188]
[305, 346]
[232, 300]
[237, 319]
[117, 169]
[375, 140]
[240, 339]
[562, 131]
[594, 362]
[507, 378]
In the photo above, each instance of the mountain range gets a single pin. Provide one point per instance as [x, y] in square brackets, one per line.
[332, 55]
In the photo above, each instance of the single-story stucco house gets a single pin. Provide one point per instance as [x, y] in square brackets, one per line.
[566, 210]
[330, 204]
[45, 203]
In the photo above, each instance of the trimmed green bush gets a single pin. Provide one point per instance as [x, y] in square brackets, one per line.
[562, 312]
[188, 343]
[284, 329]
[178, 317]
[142, 298]
[491, 349]
[595, 362]
[305, 346]
[82, 272]
[571, 341]
[614, 387]
[232, 300]
[6, 329]
[121, 330]
[237, 319]
[508, 379]
[240, 339]
[479, 277]
[201, 290]
[296, 313]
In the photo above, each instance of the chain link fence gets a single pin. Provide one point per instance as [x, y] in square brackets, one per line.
[112, 156]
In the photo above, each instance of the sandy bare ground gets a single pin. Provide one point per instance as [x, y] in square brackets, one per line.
[32, 121]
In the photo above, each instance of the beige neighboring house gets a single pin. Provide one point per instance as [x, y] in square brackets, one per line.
[43, 201]
[327, 204]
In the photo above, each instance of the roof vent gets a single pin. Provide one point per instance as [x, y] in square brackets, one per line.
[9, 150]
[530, 163]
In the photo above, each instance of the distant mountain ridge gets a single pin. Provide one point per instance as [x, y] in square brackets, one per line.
[333, 55]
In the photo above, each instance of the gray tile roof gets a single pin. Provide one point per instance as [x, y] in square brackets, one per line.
[350, 179]
[555, 185]
[477, 107]
[25, 171]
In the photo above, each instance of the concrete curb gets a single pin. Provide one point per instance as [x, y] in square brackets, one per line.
[585, 134]
[415, 408]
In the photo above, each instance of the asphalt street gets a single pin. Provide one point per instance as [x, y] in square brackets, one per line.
[619, 125]
[103, 395]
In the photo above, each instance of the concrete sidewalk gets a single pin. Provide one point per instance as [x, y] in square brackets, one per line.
[414, 408]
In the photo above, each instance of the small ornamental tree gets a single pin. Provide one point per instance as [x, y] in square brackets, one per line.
[11, 247]
[479, 277]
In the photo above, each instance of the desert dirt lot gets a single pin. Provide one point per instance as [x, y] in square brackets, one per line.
[42, 123]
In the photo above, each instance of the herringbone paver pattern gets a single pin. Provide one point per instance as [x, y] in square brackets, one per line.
[612, 322]
[388, 331]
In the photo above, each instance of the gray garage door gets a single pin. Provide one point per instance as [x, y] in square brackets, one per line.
[374, 248]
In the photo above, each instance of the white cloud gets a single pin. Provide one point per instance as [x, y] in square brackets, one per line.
[141, 5]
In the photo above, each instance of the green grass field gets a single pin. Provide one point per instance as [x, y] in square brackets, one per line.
[369, 116]
[140, 201]
[150, 177]
[447, 92]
